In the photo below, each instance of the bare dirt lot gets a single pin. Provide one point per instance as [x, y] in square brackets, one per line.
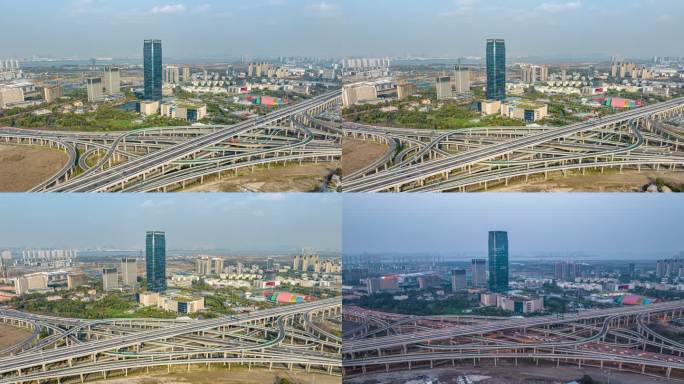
[307, 177]
[356, 154]
[610, 181]
[505, 375]
[23, 167]
[224, 376]
[11, 335]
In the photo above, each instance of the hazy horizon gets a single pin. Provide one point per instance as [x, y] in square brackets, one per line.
[234, 221]
[338, 28]
[635, 225]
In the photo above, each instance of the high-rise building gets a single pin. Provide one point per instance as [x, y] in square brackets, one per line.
[94, 89]
[444, 88]
[218, 265]
[461, 80]
[171, 74]
[52, 93]
[405, 90]
[479, 271]
[112, 80]
[458, 280]
[186, 73]
[129, 272]
[110, 279]
[152, 69]
[75, 280]
[496, 69]
[203, 266]
[155, 261]
[498, 261]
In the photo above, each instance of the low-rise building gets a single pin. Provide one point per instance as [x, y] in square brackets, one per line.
[526, 111]
[173, 303]
[10, 96]
[189, 111]
[75, 280]
[148, 107]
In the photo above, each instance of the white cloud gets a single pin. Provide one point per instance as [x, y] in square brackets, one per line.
[560, 7]
[323, 7]
[169, 8]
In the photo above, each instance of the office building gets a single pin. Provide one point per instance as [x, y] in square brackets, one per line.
[429, 281]
[443, 87]
[405, 90]
[148, 107]
[52, 93]
[112, 80]
[188, 111]
[129, 272]
[94, 89]
[75, 280]
[528, 112]
[155, 261]
[10, 95]
[496, 69]
[498, 261]
[33, 282]
[479, 271]
[458, 280]
[461, 80]
[152, 69]
[110, 279]
[178, 304]
[380, 284]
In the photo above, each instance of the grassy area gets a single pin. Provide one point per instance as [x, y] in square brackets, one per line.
[110, 306]
[448, 116]
[106, 118]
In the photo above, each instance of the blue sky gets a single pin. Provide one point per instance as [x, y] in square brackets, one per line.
[609, 224]
[215, 28]
[234, 221]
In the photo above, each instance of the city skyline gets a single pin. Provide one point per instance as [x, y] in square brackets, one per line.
[563, 223]
[98, 28]
[235, 222]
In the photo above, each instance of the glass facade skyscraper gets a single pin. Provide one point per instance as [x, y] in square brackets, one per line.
[496, 69]
[155, 261]
[152, 69]
[498, 261]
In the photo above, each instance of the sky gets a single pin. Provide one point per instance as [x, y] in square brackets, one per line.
[610, 224]
[233, 221]
[333, 28]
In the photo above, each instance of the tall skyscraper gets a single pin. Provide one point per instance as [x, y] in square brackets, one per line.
[129, 272]
[112, 80]
[155, 261]
[496, 69]
[498, 261]
[152, 69]
[479, 270]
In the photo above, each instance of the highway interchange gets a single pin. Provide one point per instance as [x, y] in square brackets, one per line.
[617, 338]
[293, 337]
[171, 158]
[424, 160]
